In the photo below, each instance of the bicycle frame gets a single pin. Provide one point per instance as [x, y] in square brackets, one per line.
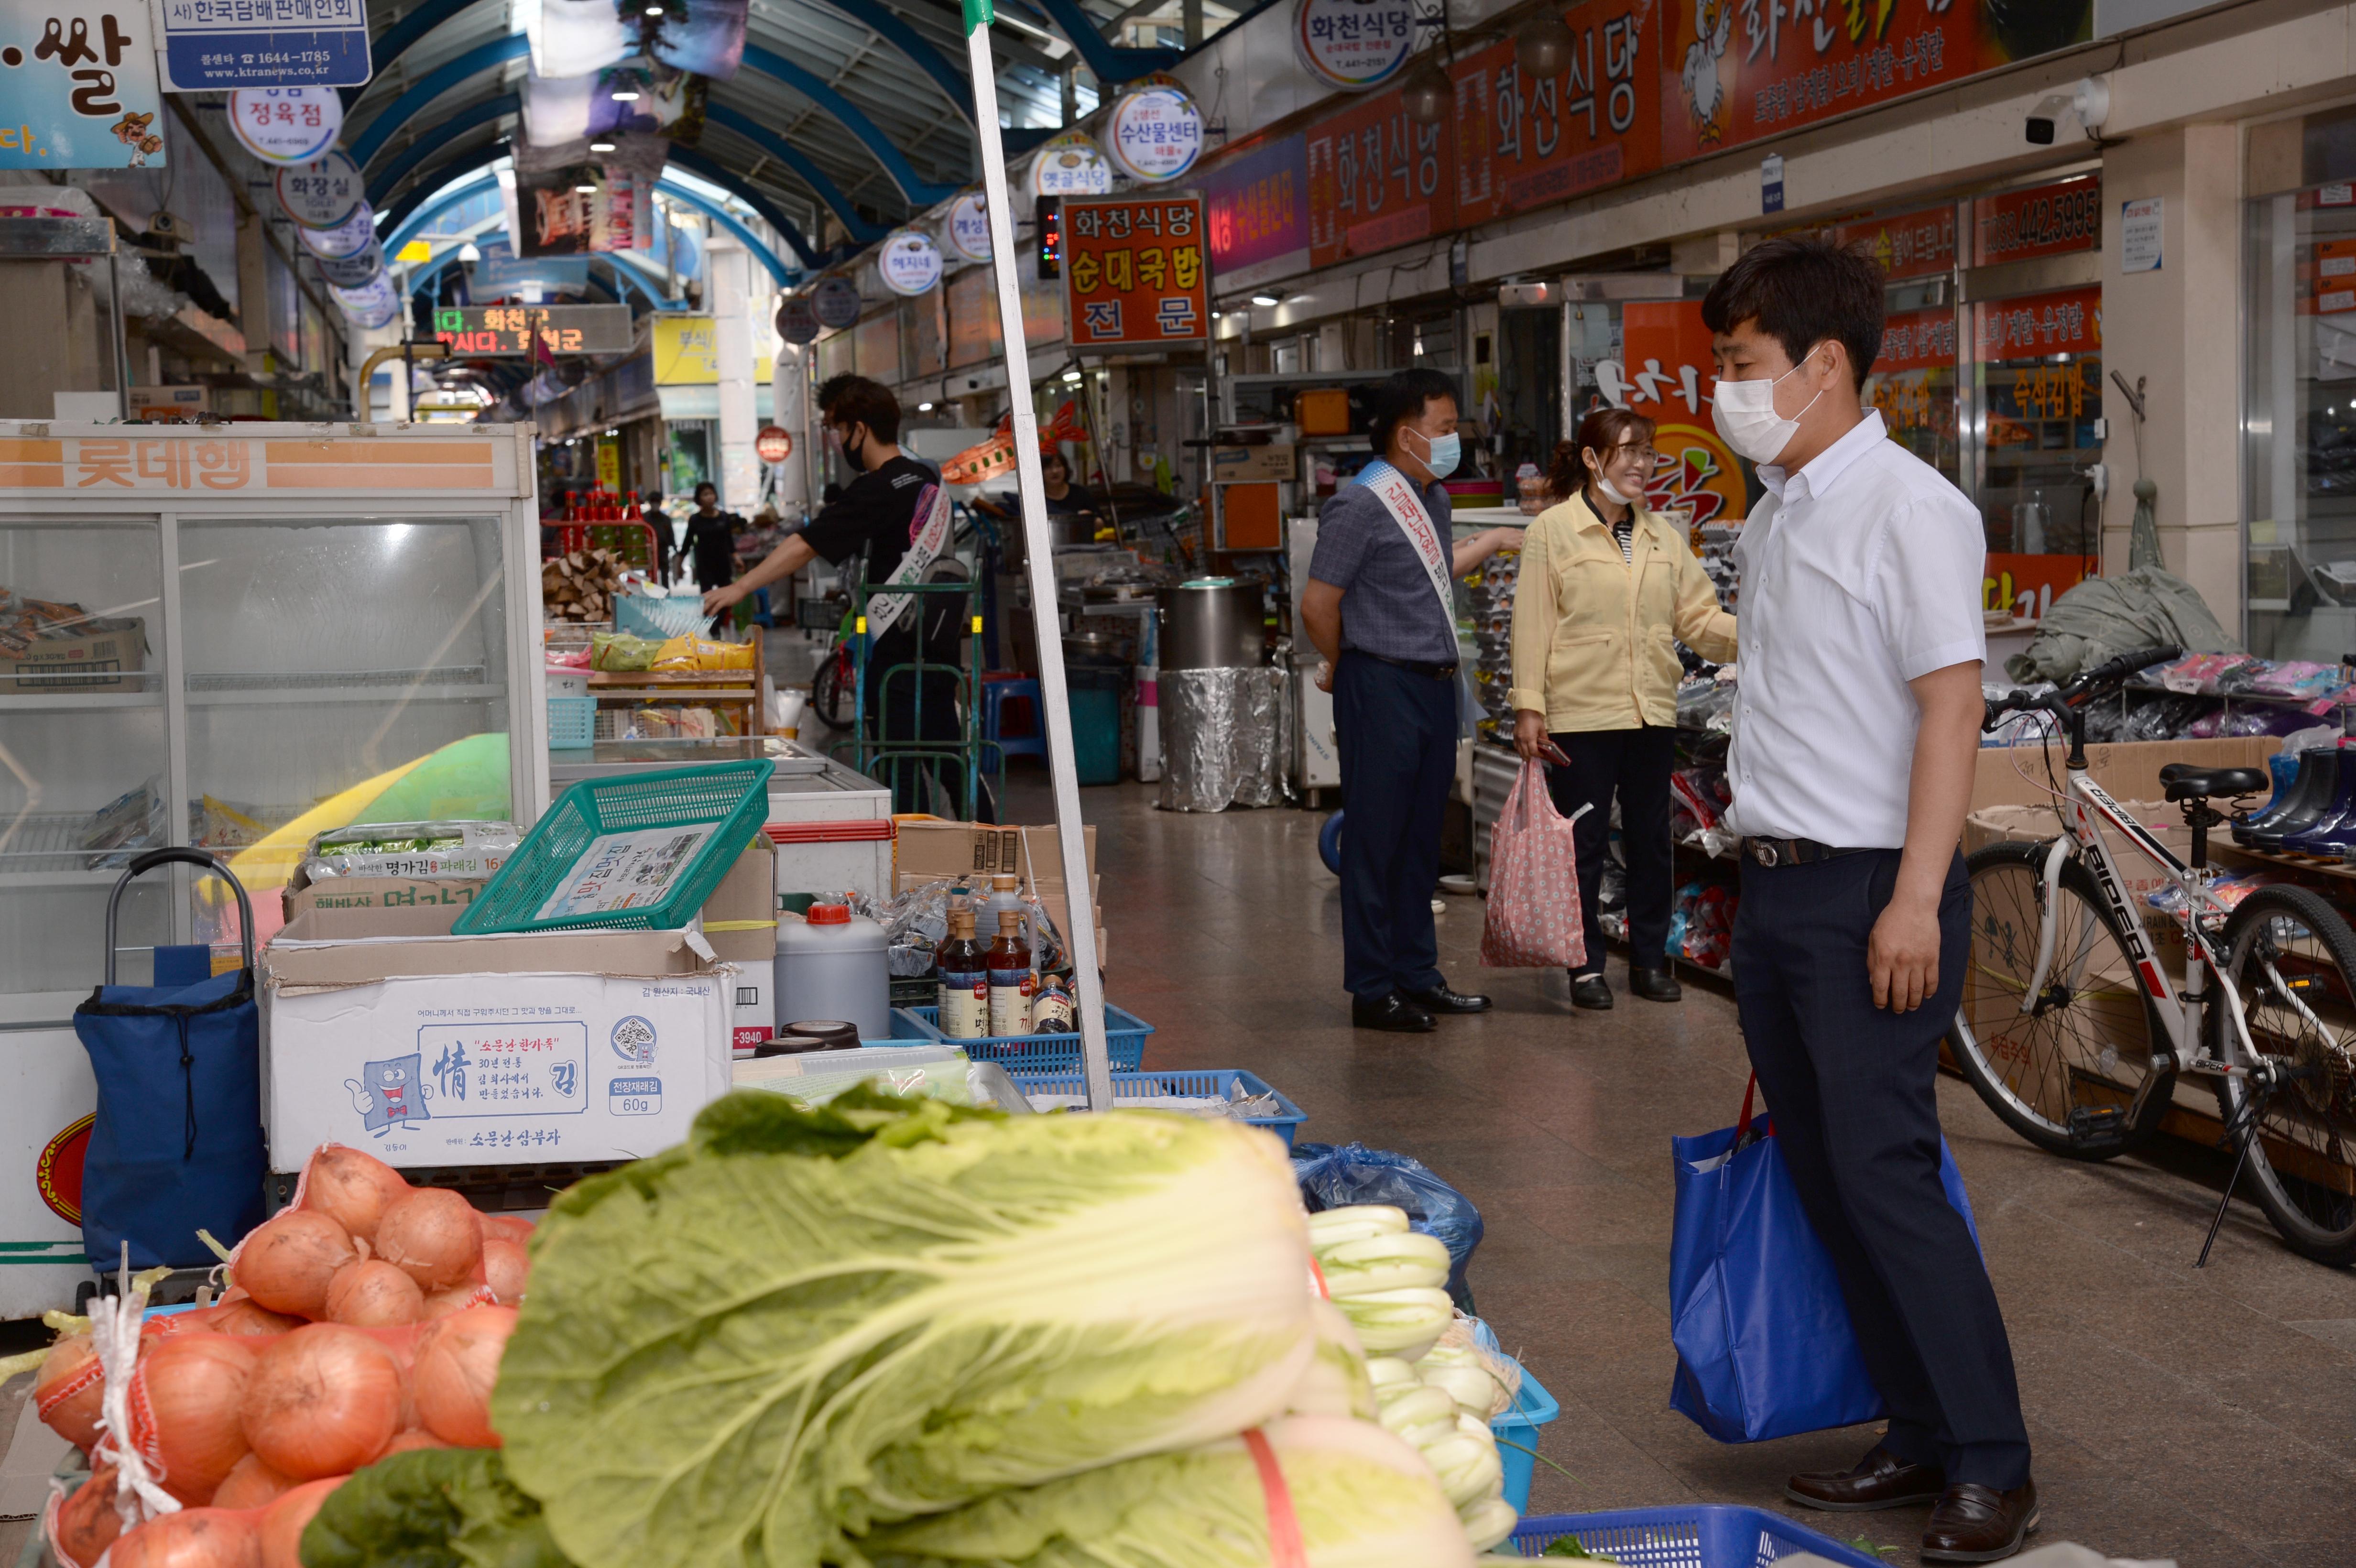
[2182, 1013]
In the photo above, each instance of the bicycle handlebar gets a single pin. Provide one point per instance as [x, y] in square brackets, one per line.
[2067, 704]
[2117, 670]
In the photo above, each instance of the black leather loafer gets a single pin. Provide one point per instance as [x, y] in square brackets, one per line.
[1593, 992]
[1879, 1480]
[1442, 1000]
[1979, 1524]
[1655, 986]
[1393, 1015]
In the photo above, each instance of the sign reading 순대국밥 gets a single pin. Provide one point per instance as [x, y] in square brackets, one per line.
[1134, 272]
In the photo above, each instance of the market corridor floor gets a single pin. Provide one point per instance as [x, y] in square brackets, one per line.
[2209, 1416]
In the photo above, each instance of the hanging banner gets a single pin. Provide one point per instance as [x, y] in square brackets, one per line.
[1352, 45]
[322, 194]
[1258, 207]
[1735, 70]
[836, 299]
[2042, 220]
[1376, 180]
[1666, 378]
[82, 85]
[1524, 141]
[579, 212]
[909, 262]
[563, 110]
[286, 125]
[1157, 132]
[1133, 271]
[1070, 165]
[797, 319]
[967, 228]
[213, 44]
[706, 37]
[1911, 245]
[346, 239]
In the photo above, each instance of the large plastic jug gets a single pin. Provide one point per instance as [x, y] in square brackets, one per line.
[832, 965]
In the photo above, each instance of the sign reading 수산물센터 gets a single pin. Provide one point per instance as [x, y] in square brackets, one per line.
[78, 87]
[213, 45]
[1157, 132]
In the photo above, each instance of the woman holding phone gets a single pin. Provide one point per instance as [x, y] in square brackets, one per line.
[1606, 592]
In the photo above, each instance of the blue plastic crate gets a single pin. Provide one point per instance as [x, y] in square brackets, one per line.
[1693, 1535]
[727, 801]
[1125, 1035]
[1533, 1408]
[1202, 1083]
[572, 723]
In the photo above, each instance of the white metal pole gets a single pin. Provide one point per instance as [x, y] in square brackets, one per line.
[1039, 556]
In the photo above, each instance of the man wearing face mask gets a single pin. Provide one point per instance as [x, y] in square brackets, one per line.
[1856, 733]
[1379, 607]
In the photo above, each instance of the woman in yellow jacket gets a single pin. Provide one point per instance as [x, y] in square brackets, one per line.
[1606, 590]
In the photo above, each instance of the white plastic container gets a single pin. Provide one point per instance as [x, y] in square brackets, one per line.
[833, 966]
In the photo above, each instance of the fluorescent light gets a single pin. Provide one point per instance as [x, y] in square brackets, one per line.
[601, 146]
[624, 95]
[1266, 301]
[654, 10]
[924, 407]
[586, 189]
[1071, 377]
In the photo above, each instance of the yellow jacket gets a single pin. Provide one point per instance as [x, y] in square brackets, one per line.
[1594, 633]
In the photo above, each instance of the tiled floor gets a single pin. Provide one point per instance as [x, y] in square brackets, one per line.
[2206, 1416]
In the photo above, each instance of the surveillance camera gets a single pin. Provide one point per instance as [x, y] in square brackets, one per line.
[2040, 130]
[2089, 103]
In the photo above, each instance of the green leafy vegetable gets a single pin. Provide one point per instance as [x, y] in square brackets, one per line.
[802, 1324]
[430, 1508]
[1569, 1546]
[1361, 1498]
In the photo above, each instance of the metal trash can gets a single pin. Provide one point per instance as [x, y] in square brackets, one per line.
[1223, 737]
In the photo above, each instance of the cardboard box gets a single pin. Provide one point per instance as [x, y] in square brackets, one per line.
[537, 1049]
[1230, 464]
[94, 659]
[740, 921]
[931, 851]
[2138, 876]
[2127, 770]
[448, 895]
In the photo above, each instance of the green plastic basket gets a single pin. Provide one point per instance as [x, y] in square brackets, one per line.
[724, 803]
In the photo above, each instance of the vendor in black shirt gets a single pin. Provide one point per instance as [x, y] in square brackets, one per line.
[1064, 498]
[875, 519]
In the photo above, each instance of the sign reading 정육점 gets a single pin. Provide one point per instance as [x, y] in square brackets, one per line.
[909, 262]
[322, 193]
[81, 87]
[208, 46]
[1352, 43]
[286, 125]
[1134, 272]
[1157, 133]
[507, 331]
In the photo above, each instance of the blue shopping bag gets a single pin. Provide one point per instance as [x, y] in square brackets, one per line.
[1765, 1345]
[177, 1144]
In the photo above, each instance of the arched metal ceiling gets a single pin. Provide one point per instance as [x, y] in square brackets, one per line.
[796, 150]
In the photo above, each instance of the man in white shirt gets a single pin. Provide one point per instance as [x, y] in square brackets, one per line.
[1856, 732]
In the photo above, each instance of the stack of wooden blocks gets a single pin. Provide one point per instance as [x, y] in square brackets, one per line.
[580, 585]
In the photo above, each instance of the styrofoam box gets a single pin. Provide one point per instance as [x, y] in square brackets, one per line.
[533, 1049]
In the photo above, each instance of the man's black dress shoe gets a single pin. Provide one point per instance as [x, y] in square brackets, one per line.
[1879, 1480]
[1393, 1015]
[1590, 991]
[1440, 999]
[1979, 1524]
[1655, 986]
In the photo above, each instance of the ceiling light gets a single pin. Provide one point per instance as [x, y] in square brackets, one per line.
[1266, 301]
[624, 95]
[924, 407]
[654, 10]
[601, 146]
[1071, 377]
[586, 189]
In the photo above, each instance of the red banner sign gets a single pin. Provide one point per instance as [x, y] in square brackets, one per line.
[2069, 321]
[1524, 141]
[1735, 70]
[1376, 180]
[1911, 245]
[2043, 220]
[1919, 339]
[1668, 378]
[1133, 271]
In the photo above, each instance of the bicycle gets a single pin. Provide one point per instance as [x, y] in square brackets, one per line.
[2072, 1031]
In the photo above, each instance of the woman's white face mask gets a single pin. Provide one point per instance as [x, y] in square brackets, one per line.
[1744, 413]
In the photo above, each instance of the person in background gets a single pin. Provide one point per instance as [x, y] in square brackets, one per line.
[711, 549]
[1607, 590]
[1064, 499]
[665, 546]
[1855, 728]
[1378, 606]
[876, 517]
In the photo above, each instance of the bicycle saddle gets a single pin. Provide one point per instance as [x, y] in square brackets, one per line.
[2185, 781]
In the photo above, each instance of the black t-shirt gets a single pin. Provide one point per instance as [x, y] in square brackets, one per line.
[1074, 499]
[712, 543]
[875, 519]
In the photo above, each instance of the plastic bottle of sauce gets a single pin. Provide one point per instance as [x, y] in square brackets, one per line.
[1010, 978]
[964, 965]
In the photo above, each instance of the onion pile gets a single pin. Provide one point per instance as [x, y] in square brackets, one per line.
[269, 1536]
[186, 1397]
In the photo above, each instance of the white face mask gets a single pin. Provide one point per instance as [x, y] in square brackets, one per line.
[1604, 488]
[1744, 413]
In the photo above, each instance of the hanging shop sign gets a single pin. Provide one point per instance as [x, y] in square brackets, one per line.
[1917, 340]
[773, 444]
[687, 351]
[82, 84]
[2069, 321]
[909, 262]
[352, 272]
[1734, 70]
[1377, 179]
[286, 125]
[1257, 204]
[1910, 245]
[346, 239]
[2041, 220]
[967, 228]
[1352, 45]
[836, 301]
[1070, 165]
[1134, 272]
[322, 194]
[508, 331]
[1157, 132]
[797, 319]
[373, 304]
[1666, 376]
[208, 46]
[1524, 140]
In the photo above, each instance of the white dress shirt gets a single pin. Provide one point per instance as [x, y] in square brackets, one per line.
[1860, 572]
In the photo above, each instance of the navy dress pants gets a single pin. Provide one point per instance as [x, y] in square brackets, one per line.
[1395, 731]
[1851, 1089]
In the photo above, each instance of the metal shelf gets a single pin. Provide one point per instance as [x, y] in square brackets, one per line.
[72, 702]
[345, 695]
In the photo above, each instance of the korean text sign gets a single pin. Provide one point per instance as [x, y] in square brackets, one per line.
[1668, 378]
[211, 45]
[1377, 179]
[1522, 140]
[1136, 271]
[1259, 205]
[78, 86]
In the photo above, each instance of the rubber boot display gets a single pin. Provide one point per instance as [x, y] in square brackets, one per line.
[2307, 803]
[2332, 830]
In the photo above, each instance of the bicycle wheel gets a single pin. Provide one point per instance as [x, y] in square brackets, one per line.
[2293, 959]
[2062, 1073]
[831, 694]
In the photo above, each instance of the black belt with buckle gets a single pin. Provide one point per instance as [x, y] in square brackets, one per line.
[1792, 851]
[1429, 671]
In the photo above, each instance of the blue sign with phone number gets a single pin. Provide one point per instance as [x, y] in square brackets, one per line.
[217, 44]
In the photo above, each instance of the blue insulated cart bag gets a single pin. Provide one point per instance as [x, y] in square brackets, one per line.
[177, 1146]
